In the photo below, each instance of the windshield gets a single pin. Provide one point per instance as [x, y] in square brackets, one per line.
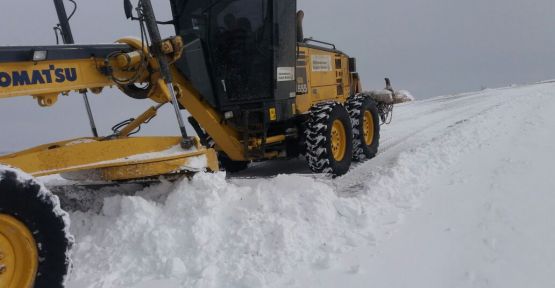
[237, 35]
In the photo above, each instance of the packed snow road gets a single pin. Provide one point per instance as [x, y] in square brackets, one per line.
[459, 196]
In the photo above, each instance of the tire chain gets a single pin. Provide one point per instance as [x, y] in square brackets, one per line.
[317, 153]
[353, 107]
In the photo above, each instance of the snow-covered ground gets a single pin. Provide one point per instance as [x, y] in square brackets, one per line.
[461, 195]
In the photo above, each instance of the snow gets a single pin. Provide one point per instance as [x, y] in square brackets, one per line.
[227, 234]
[460, 195]
[80, 141]
[484, 220]
[384, 96]
[389, 97]
[403, 96]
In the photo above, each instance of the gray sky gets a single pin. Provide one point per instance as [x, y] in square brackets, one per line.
[430, 47]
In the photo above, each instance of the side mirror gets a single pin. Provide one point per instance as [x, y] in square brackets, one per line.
[128, 7]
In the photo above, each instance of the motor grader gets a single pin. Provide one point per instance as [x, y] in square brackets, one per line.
[255, 88]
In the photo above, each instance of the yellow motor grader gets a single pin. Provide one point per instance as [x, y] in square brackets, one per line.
[255, 88]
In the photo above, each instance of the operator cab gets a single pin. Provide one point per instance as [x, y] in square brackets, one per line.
[240, 54]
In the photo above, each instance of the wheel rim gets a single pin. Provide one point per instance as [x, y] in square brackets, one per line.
[338, 140]
[18, 254]
[368, 127]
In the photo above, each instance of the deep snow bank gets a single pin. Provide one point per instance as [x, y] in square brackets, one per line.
[213, 232]
[484, 218]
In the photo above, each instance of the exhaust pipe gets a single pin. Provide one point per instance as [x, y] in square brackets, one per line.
[300, 18]
[67, 36]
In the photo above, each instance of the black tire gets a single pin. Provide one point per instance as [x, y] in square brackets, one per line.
[319, 152]
[37, 209]
[136, 92]
[362, 148]
[227, 164]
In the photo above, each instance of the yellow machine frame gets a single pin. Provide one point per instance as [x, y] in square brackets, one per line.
[119, 158]
[326, 78]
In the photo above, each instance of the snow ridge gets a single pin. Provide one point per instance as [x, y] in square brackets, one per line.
[213, 232]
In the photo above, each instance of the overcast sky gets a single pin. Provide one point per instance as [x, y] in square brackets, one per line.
[430, 47]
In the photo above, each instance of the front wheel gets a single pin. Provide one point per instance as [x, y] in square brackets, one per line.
[329, 139]
[34, 234]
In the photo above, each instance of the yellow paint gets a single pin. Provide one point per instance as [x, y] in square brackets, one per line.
[273, 114]
[42, 160]
[153, 169]
[159, 93]
[368, 127]
[88, 154]
[146, 116]
[272, 139]
[225, 136]
[88, 76]
[18, 254]
[47, 100]
[338, 140]
[323, 85]
[61, 157]
[129, 60]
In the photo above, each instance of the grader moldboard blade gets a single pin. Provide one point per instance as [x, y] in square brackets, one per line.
[128, 159]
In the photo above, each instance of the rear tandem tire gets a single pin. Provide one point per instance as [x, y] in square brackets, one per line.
[365, 119]
[329, 139]
[36, 213]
